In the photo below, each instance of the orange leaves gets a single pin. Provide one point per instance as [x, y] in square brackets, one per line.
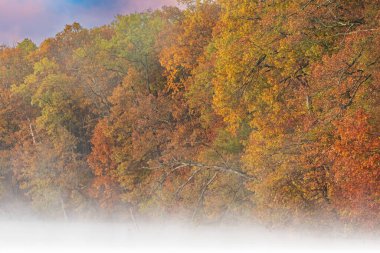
[353, 132]
[103, 190]
[282, 67]
[356, 169]
[264, 107]
[100, 157]
[185, 43]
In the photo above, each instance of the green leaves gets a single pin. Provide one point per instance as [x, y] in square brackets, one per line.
[268, 108]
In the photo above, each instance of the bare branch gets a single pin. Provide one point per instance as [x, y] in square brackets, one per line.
[179, 190]
[179, 165]
[201, 197]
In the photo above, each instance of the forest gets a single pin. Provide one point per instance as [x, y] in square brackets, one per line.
[220, 111]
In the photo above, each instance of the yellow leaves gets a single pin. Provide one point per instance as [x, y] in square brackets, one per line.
[45, 67]
[260, 86]
[184, 50]
[314, 52]
[80, 52]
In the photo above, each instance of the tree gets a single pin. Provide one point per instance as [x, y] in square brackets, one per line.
[52, 176]
[14, 67]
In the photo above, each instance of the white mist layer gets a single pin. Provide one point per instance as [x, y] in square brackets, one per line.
[32, 237]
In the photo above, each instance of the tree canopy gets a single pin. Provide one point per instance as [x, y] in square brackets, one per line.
[226, 109]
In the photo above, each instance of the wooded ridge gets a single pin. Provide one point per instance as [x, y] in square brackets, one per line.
[223, 110]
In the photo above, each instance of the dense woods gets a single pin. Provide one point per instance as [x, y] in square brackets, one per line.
[223, 110]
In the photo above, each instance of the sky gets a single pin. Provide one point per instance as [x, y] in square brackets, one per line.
[40, 19]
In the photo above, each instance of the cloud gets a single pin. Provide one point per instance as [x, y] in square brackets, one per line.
[39, 19]
[22, 18]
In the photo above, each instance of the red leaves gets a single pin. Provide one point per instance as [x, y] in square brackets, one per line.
[356, 169]
[100, 157]
[230, 103]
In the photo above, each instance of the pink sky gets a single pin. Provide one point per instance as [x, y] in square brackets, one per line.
[39, 19]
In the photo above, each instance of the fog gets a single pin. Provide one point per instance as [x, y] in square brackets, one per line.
[28, 236]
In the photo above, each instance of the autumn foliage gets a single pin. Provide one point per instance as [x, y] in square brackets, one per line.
[223, 110]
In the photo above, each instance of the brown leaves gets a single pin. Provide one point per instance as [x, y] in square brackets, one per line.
[225, 108]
